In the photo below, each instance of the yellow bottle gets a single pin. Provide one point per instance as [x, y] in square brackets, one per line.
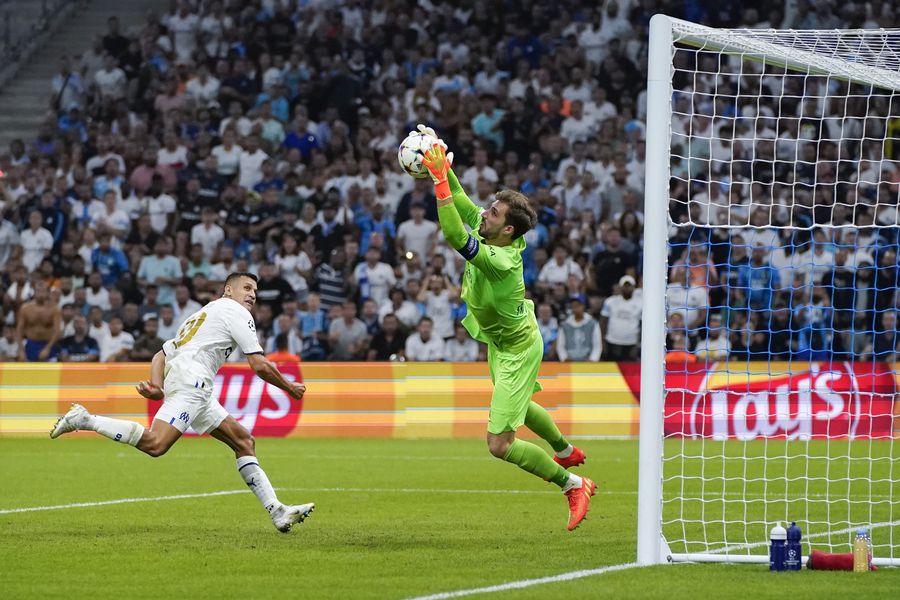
[861, 551]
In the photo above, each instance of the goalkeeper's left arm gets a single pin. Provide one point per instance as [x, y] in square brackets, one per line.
[492, 261]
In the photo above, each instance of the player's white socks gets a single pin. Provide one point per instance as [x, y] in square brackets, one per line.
[573, 483]
[567, 452]
[127, 432]
[256, 480]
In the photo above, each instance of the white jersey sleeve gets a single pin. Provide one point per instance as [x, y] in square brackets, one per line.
[244, 331]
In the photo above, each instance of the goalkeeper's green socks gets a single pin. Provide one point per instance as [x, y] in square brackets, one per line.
[539, 421]
[533, 459]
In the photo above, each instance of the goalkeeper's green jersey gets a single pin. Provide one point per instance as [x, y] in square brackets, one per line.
[493, 287]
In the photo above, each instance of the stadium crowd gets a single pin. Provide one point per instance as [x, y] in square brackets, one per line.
[261, 135]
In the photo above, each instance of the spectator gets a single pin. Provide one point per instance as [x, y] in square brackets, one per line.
[677, 352]
[402, 308]
[690, 302]
[460, 347]
[250, 162]
[579, 335]
[183, 27]
[611, 262]
[273, 290]
[374, 278]
[758, 279]
[149, 343]
[884, 347]
[168, 326]
[66, 86]
[558, 269]
[331, 279]
[422, 345]
[97, 327]
[160, 206]
[313, 328]
[347, 335]
[109, 262]
[117, 344]
[197, 264]
[110, 81]
[294, 265]
[184, 305]
[620, 322]
[282, 353]
[36, 242]
[207, 233]
[79, 347]
[369, 316]
[716, 346]
[549, 328]
[161, 269]
[38, 326]
[485, 124]
[437, 298]
[417, 235]
[390, 342]
[9, 347]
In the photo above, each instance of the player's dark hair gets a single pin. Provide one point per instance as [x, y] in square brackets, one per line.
[281, 341]
[519, 212]
[238, 274]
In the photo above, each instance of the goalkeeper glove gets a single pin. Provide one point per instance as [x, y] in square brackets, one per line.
[440, 162]
[437, 163]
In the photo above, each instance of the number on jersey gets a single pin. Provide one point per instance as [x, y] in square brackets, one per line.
[189, 329]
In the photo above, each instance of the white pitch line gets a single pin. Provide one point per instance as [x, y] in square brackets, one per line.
[524, 583]
[7, 511]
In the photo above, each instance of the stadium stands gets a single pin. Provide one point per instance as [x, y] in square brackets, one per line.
[231, 135]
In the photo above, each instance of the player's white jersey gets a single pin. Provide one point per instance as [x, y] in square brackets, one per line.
[205, 340]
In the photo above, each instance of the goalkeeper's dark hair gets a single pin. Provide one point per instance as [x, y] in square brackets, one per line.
[238, 274]
[519, 212]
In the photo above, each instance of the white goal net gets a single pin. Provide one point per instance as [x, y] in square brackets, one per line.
[771, 249]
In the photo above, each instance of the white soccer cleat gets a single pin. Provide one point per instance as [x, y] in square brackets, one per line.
[285, 516]
[75, 419]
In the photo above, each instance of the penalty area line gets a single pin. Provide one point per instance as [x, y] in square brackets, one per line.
[525, 583]
[7, 511]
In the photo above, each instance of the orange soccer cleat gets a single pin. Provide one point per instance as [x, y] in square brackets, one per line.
[573, 460]
[579, 500]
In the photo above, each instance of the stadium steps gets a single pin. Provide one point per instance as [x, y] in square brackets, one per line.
[25, 98]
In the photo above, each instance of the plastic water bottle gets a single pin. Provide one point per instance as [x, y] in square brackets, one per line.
[793, 555]
[777, 548]
[861, 554]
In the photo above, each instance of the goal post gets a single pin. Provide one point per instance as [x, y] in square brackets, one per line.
[770, 277]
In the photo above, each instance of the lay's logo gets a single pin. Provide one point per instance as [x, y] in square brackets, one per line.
[840, 401]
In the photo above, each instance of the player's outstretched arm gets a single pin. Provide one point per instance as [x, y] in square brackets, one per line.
[267, 371]
[487, 259]
[152, 389]
[466, 208]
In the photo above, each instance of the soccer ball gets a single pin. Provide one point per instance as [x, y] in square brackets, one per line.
[411, 151]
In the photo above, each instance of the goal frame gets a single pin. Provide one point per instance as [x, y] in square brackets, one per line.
[652, 547]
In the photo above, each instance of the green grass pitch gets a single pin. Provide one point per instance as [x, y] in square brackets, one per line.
[476, 522]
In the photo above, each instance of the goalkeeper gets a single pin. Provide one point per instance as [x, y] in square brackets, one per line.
[499, 315]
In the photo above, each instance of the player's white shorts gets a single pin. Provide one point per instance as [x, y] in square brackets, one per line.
[190, 405]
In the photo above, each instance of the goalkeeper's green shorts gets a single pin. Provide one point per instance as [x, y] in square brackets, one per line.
[514, 375]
